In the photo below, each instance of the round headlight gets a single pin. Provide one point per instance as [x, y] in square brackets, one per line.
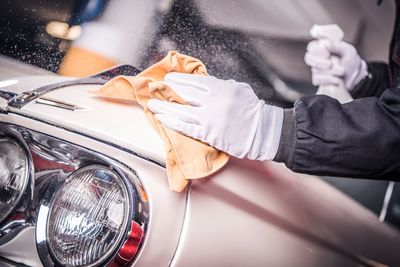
[88, 217]
[14, 175]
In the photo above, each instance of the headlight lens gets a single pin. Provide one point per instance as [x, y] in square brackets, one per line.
[88, 217]
[14, 175]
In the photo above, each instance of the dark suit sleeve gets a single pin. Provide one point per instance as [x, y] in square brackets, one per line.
[375, 83]
[357, 139]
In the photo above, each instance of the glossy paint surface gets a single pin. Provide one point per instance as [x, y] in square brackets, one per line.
[248, 214]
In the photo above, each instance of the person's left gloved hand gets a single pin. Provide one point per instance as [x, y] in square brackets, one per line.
[350, 68]
[222, 113]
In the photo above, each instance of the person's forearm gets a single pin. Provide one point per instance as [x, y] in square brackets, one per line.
[358, 139]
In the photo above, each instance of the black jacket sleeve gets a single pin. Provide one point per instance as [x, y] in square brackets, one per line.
[375, 83]
[357, 139]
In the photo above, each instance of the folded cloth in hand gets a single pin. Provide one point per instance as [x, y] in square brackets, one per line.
[187, 158]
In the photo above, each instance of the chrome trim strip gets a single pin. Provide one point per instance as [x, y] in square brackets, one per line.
[28, 96]
[385, 205]
[7, 95]
[101, 78]
[184, 231]
[59, 104]
[9, 263]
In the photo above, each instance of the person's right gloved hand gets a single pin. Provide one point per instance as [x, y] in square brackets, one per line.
[350, 68]
[222, 113]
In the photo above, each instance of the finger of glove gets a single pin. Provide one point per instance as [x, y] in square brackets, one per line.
[341, 49]
[317, 62]
[185, 128]
[318, 48]
[325, 79]
[352, 80]
[197, 81]
[181, 112]
[335, 70]
[188, 93]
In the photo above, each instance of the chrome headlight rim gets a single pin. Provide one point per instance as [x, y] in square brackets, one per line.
[28, 174]
[42, 243]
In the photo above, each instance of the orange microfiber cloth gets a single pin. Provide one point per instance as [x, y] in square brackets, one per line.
[187, 158]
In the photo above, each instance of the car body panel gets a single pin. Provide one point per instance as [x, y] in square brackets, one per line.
[10, 68]
[259, 214]
[248, 214]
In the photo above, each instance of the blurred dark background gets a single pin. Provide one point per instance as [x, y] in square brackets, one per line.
[23, 23]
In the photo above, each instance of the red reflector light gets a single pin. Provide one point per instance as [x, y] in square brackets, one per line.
[131, 246]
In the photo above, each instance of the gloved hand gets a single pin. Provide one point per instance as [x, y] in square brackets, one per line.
[351, 68]
[222, 113]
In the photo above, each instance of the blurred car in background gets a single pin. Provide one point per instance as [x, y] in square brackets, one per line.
[84, 181]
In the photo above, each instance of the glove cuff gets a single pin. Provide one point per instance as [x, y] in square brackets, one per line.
[268, 134]
[360, 74]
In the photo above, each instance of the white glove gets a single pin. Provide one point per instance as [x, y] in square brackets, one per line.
[222, 113]
[351, 68]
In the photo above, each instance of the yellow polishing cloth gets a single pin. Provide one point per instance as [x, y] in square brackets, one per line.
[187, 158]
